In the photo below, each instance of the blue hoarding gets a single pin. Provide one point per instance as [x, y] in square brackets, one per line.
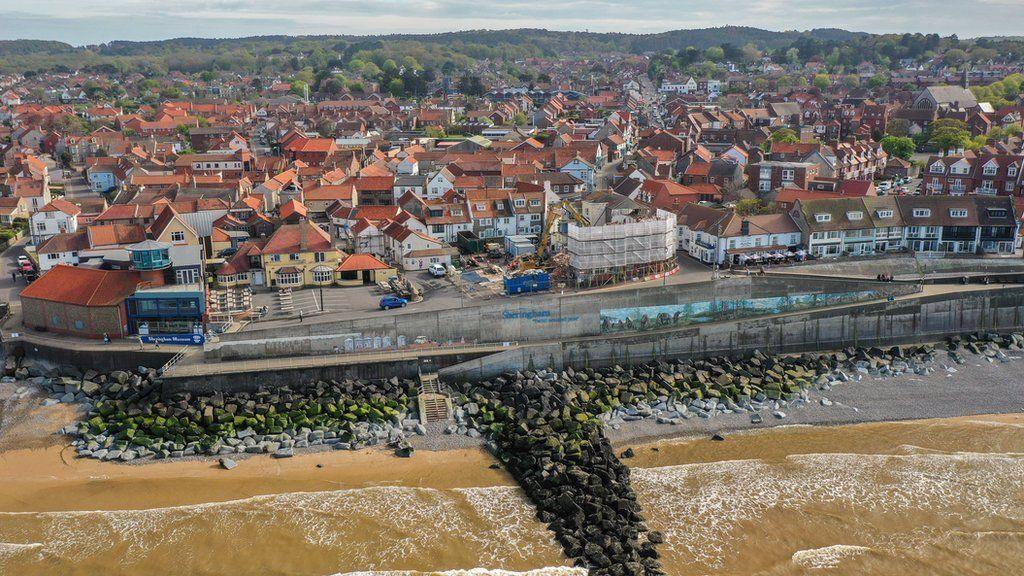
[185, 339]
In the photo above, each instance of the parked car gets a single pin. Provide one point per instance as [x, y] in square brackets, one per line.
[389, 302]
[437, 270]
[22, 260]
[227, 252]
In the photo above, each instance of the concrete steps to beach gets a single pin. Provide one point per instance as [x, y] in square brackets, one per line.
[434, 404]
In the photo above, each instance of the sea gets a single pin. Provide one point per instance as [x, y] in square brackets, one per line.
[928, 497]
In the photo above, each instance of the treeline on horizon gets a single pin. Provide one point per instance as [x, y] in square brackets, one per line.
[363, 57]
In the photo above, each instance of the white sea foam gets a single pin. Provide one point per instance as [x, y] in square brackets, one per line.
[10, 550]
[547, 571]
[703, 508]
[375, 526]
[828, 556]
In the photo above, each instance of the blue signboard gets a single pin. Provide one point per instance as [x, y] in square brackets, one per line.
[185, 339]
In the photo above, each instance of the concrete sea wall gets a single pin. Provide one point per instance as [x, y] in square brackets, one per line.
[877, 323]
[559, 317]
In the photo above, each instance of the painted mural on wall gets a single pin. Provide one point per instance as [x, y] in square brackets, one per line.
[653, 317]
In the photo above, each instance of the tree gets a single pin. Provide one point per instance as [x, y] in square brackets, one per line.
[898, 127]
[326, 128]
[784, 136]
[396, 87]
[434, 132]
[715, 54]
[877, 81]
[752, 207]
[821, 82]
[471, 86]
[332, 86]
[898, 146]
[948, 134]
[519, 119]
[851, 81]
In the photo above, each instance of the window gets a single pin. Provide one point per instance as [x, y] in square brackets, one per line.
[275, 257]
[186, 276]
[1011, 171]
[519, 202]
[534, 203]
[322, 276]
[922, 212]
[40, 226]
[855, 215]
[456, 212]
[53, 256]
[884, 213]
[319, 256]
[289, 278]
[764, 185]
[293, 257]
[788, 175]
[177, 236]
[824, 217]
[989, 171]
[996, 213]
[937, 168]
[958, 213]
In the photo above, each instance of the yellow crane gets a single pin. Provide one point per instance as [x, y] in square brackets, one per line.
[555, 213]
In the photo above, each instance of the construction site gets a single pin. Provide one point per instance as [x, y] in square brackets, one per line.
[608, 239]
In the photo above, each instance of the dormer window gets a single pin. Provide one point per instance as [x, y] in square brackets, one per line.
[989, 171]
[824, 217]
[519, 202]
[957, 213]
[937, 168]
[997, 213]
[456, 211]
[884, 213]
[854, 215]
[922, 212]
[1011, 171]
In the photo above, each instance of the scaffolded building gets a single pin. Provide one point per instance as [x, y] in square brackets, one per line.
[610, 253]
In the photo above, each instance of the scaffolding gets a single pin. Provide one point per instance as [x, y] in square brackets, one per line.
[600, 255]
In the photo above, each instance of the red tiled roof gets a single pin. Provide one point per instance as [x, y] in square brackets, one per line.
[83, 286]
[294, 238]
[61, 205]
[356, 262]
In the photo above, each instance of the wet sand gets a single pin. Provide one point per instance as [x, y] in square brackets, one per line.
[52, 478]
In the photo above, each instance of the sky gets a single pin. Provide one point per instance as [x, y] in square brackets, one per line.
[91, 21]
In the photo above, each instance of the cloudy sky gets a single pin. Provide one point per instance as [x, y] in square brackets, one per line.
[95, 21]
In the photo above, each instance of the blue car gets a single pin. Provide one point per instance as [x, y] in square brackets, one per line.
[389, 302]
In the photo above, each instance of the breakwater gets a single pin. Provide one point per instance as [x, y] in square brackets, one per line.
[546, 427]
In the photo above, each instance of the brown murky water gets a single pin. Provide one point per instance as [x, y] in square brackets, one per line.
[928, 497]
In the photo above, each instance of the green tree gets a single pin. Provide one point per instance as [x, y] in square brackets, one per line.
[519, 119]
[752, 207]
[947, 134]
[715, 54]
[898, 146]
[821, 82]
[784, 136]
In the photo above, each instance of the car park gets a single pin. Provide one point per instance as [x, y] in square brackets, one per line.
[389, 302]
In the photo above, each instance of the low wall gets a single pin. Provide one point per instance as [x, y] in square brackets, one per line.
[558, 317]
[925, 318]
[101, 360]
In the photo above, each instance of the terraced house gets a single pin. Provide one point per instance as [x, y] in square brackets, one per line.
[930, 224]
[987, 174]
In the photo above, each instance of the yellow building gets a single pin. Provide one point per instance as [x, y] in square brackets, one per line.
[297, 256]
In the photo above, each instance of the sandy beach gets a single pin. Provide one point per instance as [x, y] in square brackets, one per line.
[45, 474]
